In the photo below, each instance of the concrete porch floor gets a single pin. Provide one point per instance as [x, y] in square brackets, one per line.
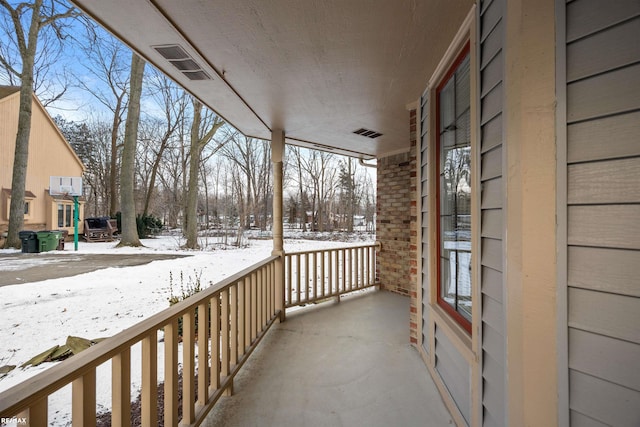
[346, 364]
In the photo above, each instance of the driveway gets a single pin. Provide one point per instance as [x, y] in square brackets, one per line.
[16, 268]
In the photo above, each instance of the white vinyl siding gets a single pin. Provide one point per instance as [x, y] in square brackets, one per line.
[492, 217]
[603, 211]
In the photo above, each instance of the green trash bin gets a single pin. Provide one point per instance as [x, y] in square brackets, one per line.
[29, 241]
[48, 240]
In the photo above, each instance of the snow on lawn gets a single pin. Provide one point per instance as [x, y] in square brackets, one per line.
[37, 316]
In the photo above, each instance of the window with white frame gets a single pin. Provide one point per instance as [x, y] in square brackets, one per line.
[65, 215]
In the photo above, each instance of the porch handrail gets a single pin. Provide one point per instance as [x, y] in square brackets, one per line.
[315, 275]
[242, 306]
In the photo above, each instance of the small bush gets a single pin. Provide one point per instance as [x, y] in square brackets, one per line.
[148, 226]
[193, 286]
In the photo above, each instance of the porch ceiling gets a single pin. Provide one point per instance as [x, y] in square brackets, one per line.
[317, 69]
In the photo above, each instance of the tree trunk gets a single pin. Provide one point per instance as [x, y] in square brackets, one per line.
[21, 153]
[127, 167]
[113, 166]
[191, 211]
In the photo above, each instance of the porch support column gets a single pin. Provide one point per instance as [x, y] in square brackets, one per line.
[277, 154]
[530, 251]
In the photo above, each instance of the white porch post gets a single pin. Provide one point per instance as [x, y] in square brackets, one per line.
[277, 154]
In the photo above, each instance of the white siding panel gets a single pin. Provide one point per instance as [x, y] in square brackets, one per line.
[585, 139]
[581, 61]
[604, 357]
[612, 181]
[491, 134]
[492, 223]
[491, 16]
[492, 314]
[581, 420]
[614, 92]
[492, 194]
[606, 314]
[491, 75]
[491, 164]
[493, 343]
[492, 283]
[607, 270]
[491, 104]
[455, 372]
[604, 401]
[493, 388]
[492, 253]
[491, 45]
[585, 17]
[611, 226]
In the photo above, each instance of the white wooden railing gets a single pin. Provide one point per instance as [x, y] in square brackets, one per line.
[234, 315]
[313, 276]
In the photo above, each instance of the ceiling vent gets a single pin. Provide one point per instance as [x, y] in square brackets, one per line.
[368, 133]
[179, 58]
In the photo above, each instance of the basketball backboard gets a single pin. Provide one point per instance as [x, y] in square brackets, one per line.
[65, 186]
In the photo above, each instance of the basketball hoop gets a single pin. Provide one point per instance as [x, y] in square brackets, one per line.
[68, 186]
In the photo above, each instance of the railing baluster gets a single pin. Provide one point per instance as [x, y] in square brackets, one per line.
[259, 308]
[314, 272]
[272, 285]
[188, 368]
[37, 414]
[307, 271]
[289, 282]
[203, 354]
[121, 389]
[361, 256]
[83, 400]
[149, 393]
[329, 273]
[224, 332]
[265, 288]
[344, 270]
[171, 373]
[241, 301]
[233, 325]
[254, 306]
[353, 267]
[265, 297]
[247, 313]
[298, 277]
[215, 343]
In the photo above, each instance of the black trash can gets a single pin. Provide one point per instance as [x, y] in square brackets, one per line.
[29, 241]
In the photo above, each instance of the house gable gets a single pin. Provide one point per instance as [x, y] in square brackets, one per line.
[49, 155]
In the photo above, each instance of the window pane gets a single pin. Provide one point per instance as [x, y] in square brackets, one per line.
[60, 215]
[455, 191]
[26, 208]
[67, 216]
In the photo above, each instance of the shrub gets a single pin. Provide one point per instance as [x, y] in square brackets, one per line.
[193, 286]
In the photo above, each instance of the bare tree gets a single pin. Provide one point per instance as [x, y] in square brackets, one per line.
[203, 129]
[105, 61]
[38, 17]
[173, 102]
[127, 169]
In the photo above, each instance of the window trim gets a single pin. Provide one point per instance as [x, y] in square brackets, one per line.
[465, 323]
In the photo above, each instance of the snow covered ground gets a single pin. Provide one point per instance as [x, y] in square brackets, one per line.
[37, 316]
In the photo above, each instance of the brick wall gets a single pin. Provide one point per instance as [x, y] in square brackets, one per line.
[396, 227]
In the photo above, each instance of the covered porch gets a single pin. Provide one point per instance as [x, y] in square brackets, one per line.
[346, 364]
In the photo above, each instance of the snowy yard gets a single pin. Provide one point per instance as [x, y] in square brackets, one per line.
[37, 316]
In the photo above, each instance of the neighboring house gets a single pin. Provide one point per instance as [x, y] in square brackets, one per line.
[506, 134]
[49, 155]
